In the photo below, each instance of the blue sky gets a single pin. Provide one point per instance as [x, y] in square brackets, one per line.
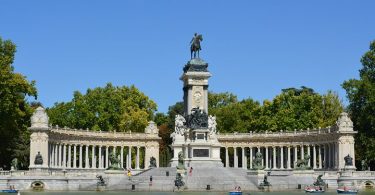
[254, 48]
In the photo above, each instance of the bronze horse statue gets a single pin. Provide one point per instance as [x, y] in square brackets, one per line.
[195, 45]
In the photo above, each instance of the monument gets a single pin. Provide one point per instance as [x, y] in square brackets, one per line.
[195, 132]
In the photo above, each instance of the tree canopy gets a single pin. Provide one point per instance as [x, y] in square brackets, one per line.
[361, 95]
[15, 112]
[106, 108]
[292, 109]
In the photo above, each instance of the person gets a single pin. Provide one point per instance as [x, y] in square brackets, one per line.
[239, 188]
[191, 171]
[129, 173]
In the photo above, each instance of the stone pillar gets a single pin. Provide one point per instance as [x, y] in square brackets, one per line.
[288, 163]
[302, 152]
[130, 157]
[106, 156]
[93, 161]
[331, 154]
[251, 157]
[60, 155]
[281, 157]
[267, 158]
[87, 162]
[235, 157]
[122, 157]
[80, 156]
[69, 156]
[64, 156]
[226, 157]
[326, 158]
[100, 157]
[295, 155]
[137, 160]
[314, 155]
[274, 157]
[75, 156]
[54, 155]
[308, 153]
[320, 156]
[244, 160]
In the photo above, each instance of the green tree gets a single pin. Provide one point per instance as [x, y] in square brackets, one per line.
[361, 95]
[15, 112]
[106, 108]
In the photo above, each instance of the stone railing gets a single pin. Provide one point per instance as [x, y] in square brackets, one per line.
[280, 133]
[102, 134]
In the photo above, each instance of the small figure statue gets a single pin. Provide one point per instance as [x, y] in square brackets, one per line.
[179, 124]
[100, 181]
[178, 182]
[212, 124]
[319, 181]
[364, 165]
[115, 162]
[14, 164]
[195, 45]
[197, 119]
[257, 162]
[303, 163]
[348, 160]
[38, 159]
[181, 161]
[152, 162]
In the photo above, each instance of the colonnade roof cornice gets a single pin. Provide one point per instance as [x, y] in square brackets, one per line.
[69, 134]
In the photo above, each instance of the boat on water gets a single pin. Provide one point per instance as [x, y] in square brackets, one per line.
[346, 190]
[314, 189]
[235, 193]
[10, 191]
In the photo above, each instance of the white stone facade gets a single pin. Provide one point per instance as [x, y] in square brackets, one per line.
[63, 148]
[327, 147]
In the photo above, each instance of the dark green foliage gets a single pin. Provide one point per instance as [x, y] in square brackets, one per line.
[361, 95]
[15, 112]
[108, 109]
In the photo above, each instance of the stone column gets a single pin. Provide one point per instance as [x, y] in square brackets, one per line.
[330, 156]
[251, 157]
[320, 156]
[267, 158]
[302, 152]
[106, 156]
[295, 155]
[326, 160]
[274, 157]
[54, 156]
[130, 157]
[87, 157]
[281, 157]
[137, 160]
[314, 155]
[122, 157]
[64, 156]
[308, 153]
[100, 157]
[69, 156]
[93, 161]
[80, 156]
[60, 155]
[288, 163]
[244, 160]
[235, 157]
[75, 156]
[226, 157]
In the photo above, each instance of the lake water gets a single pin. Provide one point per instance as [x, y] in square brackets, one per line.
[181, 193]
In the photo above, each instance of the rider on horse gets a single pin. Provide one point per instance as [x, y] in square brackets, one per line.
[195, 45]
